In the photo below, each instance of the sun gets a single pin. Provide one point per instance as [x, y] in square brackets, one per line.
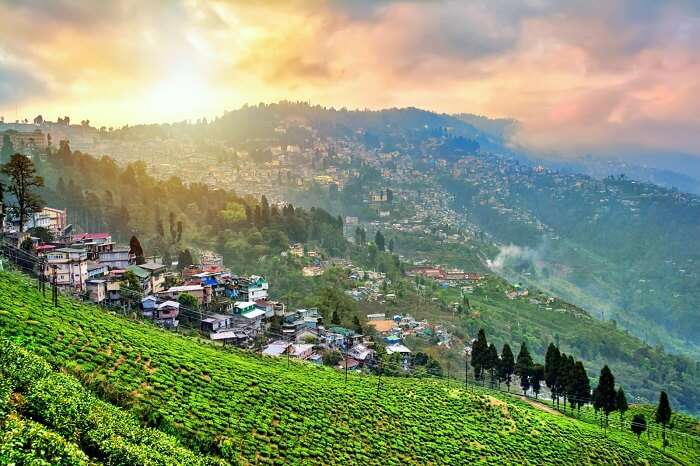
[181, 94]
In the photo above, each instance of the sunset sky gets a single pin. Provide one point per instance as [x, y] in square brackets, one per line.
[579, 75]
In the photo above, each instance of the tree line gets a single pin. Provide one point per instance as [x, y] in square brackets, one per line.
[565, 377]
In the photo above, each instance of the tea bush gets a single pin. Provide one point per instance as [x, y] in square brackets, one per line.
[256, 410]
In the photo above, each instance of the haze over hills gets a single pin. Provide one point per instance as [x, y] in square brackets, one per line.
[614, 246]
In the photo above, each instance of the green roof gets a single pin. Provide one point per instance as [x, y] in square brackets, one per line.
[342, 330]
[138, 271]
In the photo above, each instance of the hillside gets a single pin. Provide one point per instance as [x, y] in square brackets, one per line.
[255, 410]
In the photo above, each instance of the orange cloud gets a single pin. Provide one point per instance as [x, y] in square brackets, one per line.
[577, 76]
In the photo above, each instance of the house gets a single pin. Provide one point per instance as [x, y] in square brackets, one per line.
[376, 316]
[397, 348]
[201, 293]
[148, 305]
[349, 364]
[53, 220]
[231, 337]
[116, 258]
[276, 348]
[257, 288]
[67, 268]
[97, 290]
[97, 238]
[301, 350]
[243, 307]
[165, 314]
[96, 270]
[296, 322]
[156, 275]
[361, 353]
[271, 308]
[142, 276]
[216, 322]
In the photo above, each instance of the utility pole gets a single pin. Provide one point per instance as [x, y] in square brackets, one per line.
[54, 289]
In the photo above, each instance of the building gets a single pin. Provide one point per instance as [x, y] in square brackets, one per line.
[117, 258]
[201, 293]
[165, 314]
[52, 219]
[97, 290]
[32, 138]
[156, 275]
[67, 268]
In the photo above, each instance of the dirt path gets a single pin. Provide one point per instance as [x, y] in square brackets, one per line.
[540, 405]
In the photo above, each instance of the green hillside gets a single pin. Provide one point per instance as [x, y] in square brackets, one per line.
[260, 411]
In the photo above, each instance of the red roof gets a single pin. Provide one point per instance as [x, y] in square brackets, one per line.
[45, 247]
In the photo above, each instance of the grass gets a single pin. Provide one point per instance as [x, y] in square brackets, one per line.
[255, 410]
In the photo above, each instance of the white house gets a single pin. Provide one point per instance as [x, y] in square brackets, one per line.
[67, 267]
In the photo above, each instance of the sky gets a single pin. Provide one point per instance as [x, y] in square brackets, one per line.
[579, 75]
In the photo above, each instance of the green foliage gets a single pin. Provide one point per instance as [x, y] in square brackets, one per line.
[61, 402]
[252, 409]
[188, 300]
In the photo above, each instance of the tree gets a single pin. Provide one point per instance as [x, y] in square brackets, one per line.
[27, 244]
[136, 249]
[23, 181]
[391, 245]
[621, 402]
[331, 357]
[7, 148]
[132, 281]
[379, 240]
[335, 319]
[44, 234]
[663, 414]
[506, 366]
[606, 392]
[583, 386]
[551, 370]
[187, 300]
[479, 348]
[639, 425]
[567, 372]
[536, 378]
[491, 362]
[356, 325]
[184, 259]
[522, 367]
[2, 207]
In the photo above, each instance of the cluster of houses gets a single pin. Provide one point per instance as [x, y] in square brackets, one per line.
[397, 328]
[444, 276]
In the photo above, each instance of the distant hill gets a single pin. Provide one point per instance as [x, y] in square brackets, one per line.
[250, 409]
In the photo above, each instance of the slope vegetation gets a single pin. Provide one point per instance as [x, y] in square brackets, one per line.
[253, 410]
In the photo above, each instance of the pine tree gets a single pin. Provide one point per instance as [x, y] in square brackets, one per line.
[551, 370]
[506, 366]
[491, 362]
[536, 378]
[621, 402]
[606, 392]
[136, 249]
[522, 367]
[663, 414]
[583, 385]
[479, 348]
[379, 240]
[570, 381]
[335, 318]
[357, 327]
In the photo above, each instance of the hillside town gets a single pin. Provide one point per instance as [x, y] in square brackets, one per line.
[229, 309]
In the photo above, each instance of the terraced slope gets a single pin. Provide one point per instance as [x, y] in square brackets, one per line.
[259, 411]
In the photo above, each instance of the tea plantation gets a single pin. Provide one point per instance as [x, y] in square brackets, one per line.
[251, 410]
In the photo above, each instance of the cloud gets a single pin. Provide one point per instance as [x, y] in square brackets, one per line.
[578, 75]
[17, 86]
